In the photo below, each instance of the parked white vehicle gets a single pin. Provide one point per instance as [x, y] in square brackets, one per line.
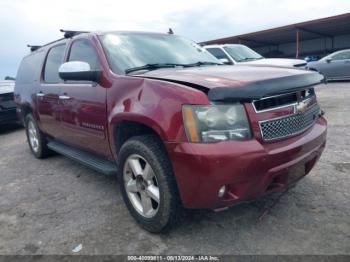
[235, 53]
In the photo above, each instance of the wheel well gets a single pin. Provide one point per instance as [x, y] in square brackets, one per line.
[127, 129]
[25, 111]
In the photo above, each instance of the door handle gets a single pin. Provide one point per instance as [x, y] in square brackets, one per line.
[64, 97]
[40, 94]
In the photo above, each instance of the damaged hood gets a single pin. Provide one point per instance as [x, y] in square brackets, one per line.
[239, 82]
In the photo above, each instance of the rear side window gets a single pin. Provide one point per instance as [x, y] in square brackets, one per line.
[218, 53]
[53, 61]
[82, 50]
[30, 68]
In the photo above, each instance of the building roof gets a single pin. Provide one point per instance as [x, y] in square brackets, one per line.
[324, 27]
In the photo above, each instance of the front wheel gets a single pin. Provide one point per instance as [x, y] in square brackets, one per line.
[148, 184]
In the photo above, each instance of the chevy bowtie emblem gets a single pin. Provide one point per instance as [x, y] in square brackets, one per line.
[301, 107]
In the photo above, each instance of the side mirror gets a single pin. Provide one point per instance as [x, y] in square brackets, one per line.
[78, 71]
[225, 61]
[328, 60]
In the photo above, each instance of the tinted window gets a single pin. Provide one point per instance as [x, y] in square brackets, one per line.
[53, 61]
[30, 68]
[342, 55]
[82, 50]
[218, 53]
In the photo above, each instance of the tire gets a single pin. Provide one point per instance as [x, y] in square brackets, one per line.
[168, 211]
[39, 146]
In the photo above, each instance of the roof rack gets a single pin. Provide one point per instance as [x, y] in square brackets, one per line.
[67, 34]
[34, 47]
[71, 33]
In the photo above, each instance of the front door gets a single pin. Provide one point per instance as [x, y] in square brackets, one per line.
[83, 105]
[344, 68]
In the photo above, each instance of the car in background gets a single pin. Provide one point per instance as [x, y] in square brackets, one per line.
[335, 66]
[236, 54]
[311, 58]
[7, 104]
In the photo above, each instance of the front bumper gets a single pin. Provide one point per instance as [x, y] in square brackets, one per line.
[249, 169]
[8, 116]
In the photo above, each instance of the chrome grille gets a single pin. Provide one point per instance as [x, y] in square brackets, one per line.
[286, 126]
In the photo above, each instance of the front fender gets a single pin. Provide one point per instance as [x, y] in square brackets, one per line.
[156, 104]
[142, 119]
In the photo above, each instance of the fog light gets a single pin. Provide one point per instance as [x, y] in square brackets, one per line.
[222, 191]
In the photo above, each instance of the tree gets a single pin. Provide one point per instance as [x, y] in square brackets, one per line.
[9, 78]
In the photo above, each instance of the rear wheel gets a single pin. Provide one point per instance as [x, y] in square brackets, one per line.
[36, 139]
[148, 184]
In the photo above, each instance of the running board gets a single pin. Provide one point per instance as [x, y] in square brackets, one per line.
[90, 160]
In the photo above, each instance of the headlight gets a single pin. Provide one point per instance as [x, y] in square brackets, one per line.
[215, 123]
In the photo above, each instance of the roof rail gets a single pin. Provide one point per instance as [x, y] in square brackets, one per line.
[67, 34]
[34, 47]
[71, 33]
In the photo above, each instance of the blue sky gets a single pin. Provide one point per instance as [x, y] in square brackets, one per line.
[25, 22]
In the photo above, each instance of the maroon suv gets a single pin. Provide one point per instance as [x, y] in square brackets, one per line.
[180, 129]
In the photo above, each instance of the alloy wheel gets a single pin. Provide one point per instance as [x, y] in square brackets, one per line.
[141, 186]
[33, 136]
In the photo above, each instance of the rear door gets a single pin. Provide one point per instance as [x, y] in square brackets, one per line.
[83, 104]
[48, 106]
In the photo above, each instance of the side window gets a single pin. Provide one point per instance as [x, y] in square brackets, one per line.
[218, 53]
[342, 55]
[347, 55]
[30, 68]
[82, 50]
[53, 61]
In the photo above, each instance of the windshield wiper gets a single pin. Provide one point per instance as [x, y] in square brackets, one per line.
[200, 63]
[168, 65]
[151, 67]
[249, 58]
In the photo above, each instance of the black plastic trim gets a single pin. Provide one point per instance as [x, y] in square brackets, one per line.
[94, 76]
[88, 159]
[260, 89]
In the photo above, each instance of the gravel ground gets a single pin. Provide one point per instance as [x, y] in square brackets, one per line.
[51, 206]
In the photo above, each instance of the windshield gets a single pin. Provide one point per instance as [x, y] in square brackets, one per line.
[130, 50]
[328, 56]
[242, 53]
